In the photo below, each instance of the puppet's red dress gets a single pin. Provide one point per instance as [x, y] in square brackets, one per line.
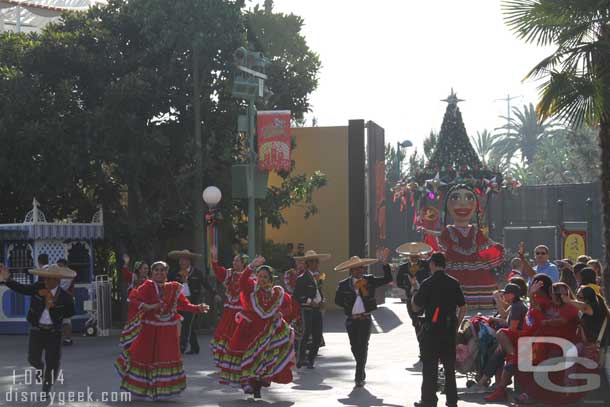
[470, 257]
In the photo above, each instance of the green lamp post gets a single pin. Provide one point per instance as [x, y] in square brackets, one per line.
[249, 84]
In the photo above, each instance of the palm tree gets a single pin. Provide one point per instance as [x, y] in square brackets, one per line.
[576, 76]
[484, 144]
[523, 133]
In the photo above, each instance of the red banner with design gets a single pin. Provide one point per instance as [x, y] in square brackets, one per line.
[273, 130]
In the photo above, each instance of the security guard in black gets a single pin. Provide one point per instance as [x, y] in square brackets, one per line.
[440, 296]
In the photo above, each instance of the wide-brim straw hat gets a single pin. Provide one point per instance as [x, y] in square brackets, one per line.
[176, 254]
[355, 262]
[414, 249]
[54, 271]
[312, 255]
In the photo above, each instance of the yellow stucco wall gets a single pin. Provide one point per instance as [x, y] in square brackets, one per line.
[324, 149]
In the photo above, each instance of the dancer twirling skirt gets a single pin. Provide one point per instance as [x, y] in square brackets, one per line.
[261, 350]
[150, 365]
[227, 325]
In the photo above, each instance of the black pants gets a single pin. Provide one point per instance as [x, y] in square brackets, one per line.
[416, 321]
[48, 342]
[312, 327]
[187, 333]
[435, 348]
[359, 331]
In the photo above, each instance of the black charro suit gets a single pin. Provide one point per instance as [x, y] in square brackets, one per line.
[197, 283]
[306, 290]
[403, 280]
[359, 326]
[45, 338]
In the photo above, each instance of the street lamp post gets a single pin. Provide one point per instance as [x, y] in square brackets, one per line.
[399, 145]
[211, 197]
[249, 84]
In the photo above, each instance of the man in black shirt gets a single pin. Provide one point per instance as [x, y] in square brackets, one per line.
[309, 294]
[409, 277]
[356, 295]
[194, 282]
[440, 296]
[49, 306]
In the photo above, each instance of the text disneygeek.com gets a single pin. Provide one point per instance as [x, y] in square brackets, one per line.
[60, 398]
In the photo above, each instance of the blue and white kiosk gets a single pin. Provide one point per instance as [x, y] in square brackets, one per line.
[20, 245]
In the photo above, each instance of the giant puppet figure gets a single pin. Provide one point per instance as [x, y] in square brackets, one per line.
[470, 253]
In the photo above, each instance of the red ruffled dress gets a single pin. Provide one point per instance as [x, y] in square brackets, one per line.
[228, 324]
[150, 365]
[470, 257]
[262, 347]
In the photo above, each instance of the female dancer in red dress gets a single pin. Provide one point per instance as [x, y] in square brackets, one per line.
[261, 350]
[470, 254]
[227, 325]
[151, 367]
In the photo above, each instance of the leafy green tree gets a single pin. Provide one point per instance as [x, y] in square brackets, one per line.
[522, 134]
[576, 78]
[566, 158]
[430, 144]
[101, 107]
[278, 36]
[484, 145]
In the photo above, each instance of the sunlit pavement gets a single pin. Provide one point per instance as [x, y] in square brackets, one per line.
[87, 365]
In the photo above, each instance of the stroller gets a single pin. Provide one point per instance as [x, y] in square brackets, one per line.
[476, 343]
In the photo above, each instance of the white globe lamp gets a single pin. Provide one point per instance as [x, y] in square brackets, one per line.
[212, 196]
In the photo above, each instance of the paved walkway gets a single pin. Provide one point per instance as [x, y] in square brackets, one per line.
[393, 347]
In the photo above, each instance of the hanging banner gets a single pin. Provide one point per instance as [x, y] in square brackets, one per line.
[574, 244]
[273, 130]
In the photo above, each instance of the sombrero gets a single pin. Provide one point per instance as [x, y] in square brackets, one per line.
[54, 271]
[414, 249]
[176, 254]
[312, 255]
[354, 262]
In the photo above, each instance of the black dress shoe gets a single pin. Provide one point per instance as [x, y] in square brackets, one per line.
[192, 352]
[422, 404]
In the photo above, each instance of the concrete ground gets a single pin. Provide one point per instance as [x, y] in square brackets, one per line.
[393, 347]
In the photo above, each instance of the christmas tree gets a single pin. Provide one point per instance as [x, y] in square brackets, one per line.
[453, 161]
[453, 148]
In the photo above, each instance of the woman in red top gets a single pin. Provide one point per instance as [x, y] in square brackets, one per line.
[261, 350]
[141, 273]
[540, 302]
[227, 325]
[152, 366]
[562, 319]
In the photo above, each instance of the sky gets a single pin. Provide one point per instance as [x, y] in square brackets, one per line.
[393, 61]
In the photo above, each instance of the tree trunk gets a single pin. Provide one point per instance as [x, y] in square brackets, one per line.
[604, 143]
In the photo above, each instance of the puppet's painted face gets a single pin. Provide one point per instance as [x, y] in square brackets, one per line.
[430, 213]
[462, 205]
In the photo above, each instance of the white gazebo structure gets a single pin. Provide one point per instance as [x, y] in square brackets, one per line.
[20, 245]
[33, 15]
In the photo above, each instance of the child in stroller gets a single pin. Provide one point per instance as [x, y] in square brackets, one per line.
[475, 348]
